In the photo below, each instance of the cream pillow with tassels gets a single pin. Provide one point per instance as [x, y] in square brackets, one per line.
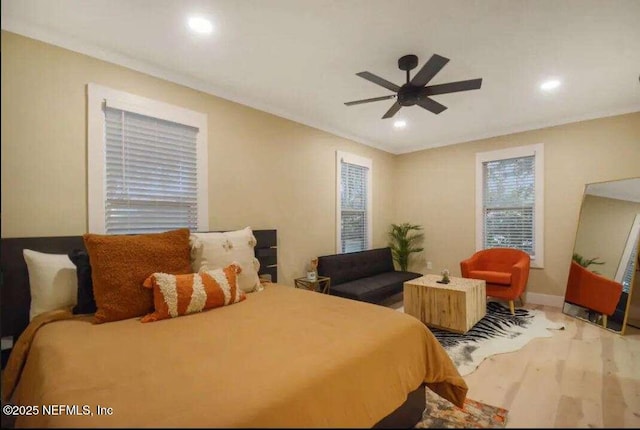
[216, 250]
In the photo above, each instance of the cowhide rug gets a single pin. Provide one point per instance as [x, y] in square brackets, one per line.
[498, 332]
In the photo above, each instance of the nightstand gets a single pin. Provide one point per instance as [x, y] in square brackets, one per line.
[322, 284]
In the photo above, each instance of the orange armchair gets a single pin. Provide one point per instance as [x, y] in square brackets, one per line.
[592, 291]
[505, 270]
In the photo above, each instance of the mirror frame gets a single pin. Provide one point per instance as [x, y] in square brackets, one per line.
[631, 239]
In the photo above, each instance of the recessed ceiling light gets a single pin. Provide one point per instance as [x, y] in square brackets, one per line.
[200, 25]
[549, 85]
[400, 123]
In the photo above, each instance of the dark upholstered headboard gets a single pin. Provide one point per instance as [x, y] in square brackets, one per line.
[15, 297]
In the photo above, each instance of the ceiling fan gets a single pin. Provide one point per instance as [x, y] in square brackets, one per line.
[415, 91]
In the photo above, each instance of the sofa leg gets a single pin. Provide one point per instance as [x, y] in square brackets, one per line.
[604, 320]
[521, 298]
[511, 307]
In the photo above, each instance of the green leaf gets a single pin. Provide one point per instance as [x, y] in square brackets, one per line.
[586, 262]
[404, 240]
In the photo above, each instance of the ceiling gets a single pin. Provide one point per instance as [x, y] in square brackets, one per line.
[298, 58]
[624, 189]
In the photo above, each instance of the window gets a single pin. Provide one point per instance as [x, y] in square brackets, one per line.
[353, 202]
[509, 200]
[627, 265]
[147, 165]
[631, 267]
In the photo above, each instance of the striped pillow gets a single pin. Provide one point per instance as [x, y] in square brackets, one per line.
[176, 295]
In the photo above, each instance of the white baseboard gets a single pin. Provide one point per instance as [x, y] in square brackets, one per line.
[545, 299]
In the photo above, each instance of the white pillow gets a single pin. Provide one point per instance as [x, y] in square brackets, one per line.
[210, 251]
[52, 280]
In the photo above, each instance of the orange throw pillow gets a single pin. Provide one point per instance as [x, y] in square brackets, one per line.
[121, 263]
[176, 295]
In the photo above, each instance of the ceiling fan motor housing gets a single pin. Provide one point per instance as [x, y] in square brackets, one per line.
[409, 95]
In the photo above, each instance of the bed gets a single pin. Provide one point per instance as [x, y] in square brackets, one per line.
[284, 357]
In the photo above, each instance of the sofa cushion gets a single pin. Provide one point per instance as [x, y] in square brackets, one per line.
[374, 288]
[492, 277]
[355, 265]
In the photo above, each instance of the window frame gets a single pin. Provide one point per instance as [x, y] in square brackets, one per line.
[360, 161]
[537, 151]
[97, 97]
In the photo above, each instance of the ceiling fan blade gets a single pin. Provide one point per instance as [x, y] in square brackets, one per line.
[429, 70]
[392, 111]
[378, 80]
[432, 105]
[375, 99]
[452, 87]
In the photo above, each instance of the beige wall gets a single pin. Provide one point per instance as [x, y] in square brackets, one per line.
[436, 188]
[268, 172]
[603, 230]
[264, 171]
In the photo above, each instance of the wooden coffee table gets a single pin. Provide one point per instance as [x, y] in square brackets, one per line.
[456, 306]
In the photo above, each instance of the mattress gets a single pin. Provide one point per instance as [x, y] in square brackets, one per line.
[284, 357]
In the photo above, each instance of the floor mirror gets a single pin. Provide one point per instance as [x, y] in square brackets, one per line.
[604, 270]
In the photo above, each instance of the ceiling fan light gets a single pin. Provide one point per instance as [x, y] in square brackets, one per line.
[400, 123]
[200, 25]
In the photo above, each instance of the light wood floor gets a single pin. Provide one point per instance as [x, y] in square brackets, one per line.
[583, 376]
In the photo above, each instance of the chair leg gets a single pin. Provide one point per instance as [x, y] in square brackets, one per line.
[521, 298]
[511, 307]
[604, 320]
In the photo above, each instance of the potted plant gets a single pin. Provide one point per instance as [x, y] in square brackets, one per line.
[404, 240]
[586, 262]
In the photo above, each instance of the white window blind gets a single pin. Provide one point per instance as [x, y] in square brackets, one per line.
[354, 215]
[151, 177]
[509, 203]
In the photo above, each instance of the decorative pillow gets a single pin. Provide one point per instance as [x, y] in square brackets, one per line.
[52, 280]
[86, 302]
[120, 264]
[218, 250]
[176, 295]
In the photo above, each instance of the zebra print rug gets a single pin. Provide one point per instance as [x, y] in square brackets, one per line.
[498, 332]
